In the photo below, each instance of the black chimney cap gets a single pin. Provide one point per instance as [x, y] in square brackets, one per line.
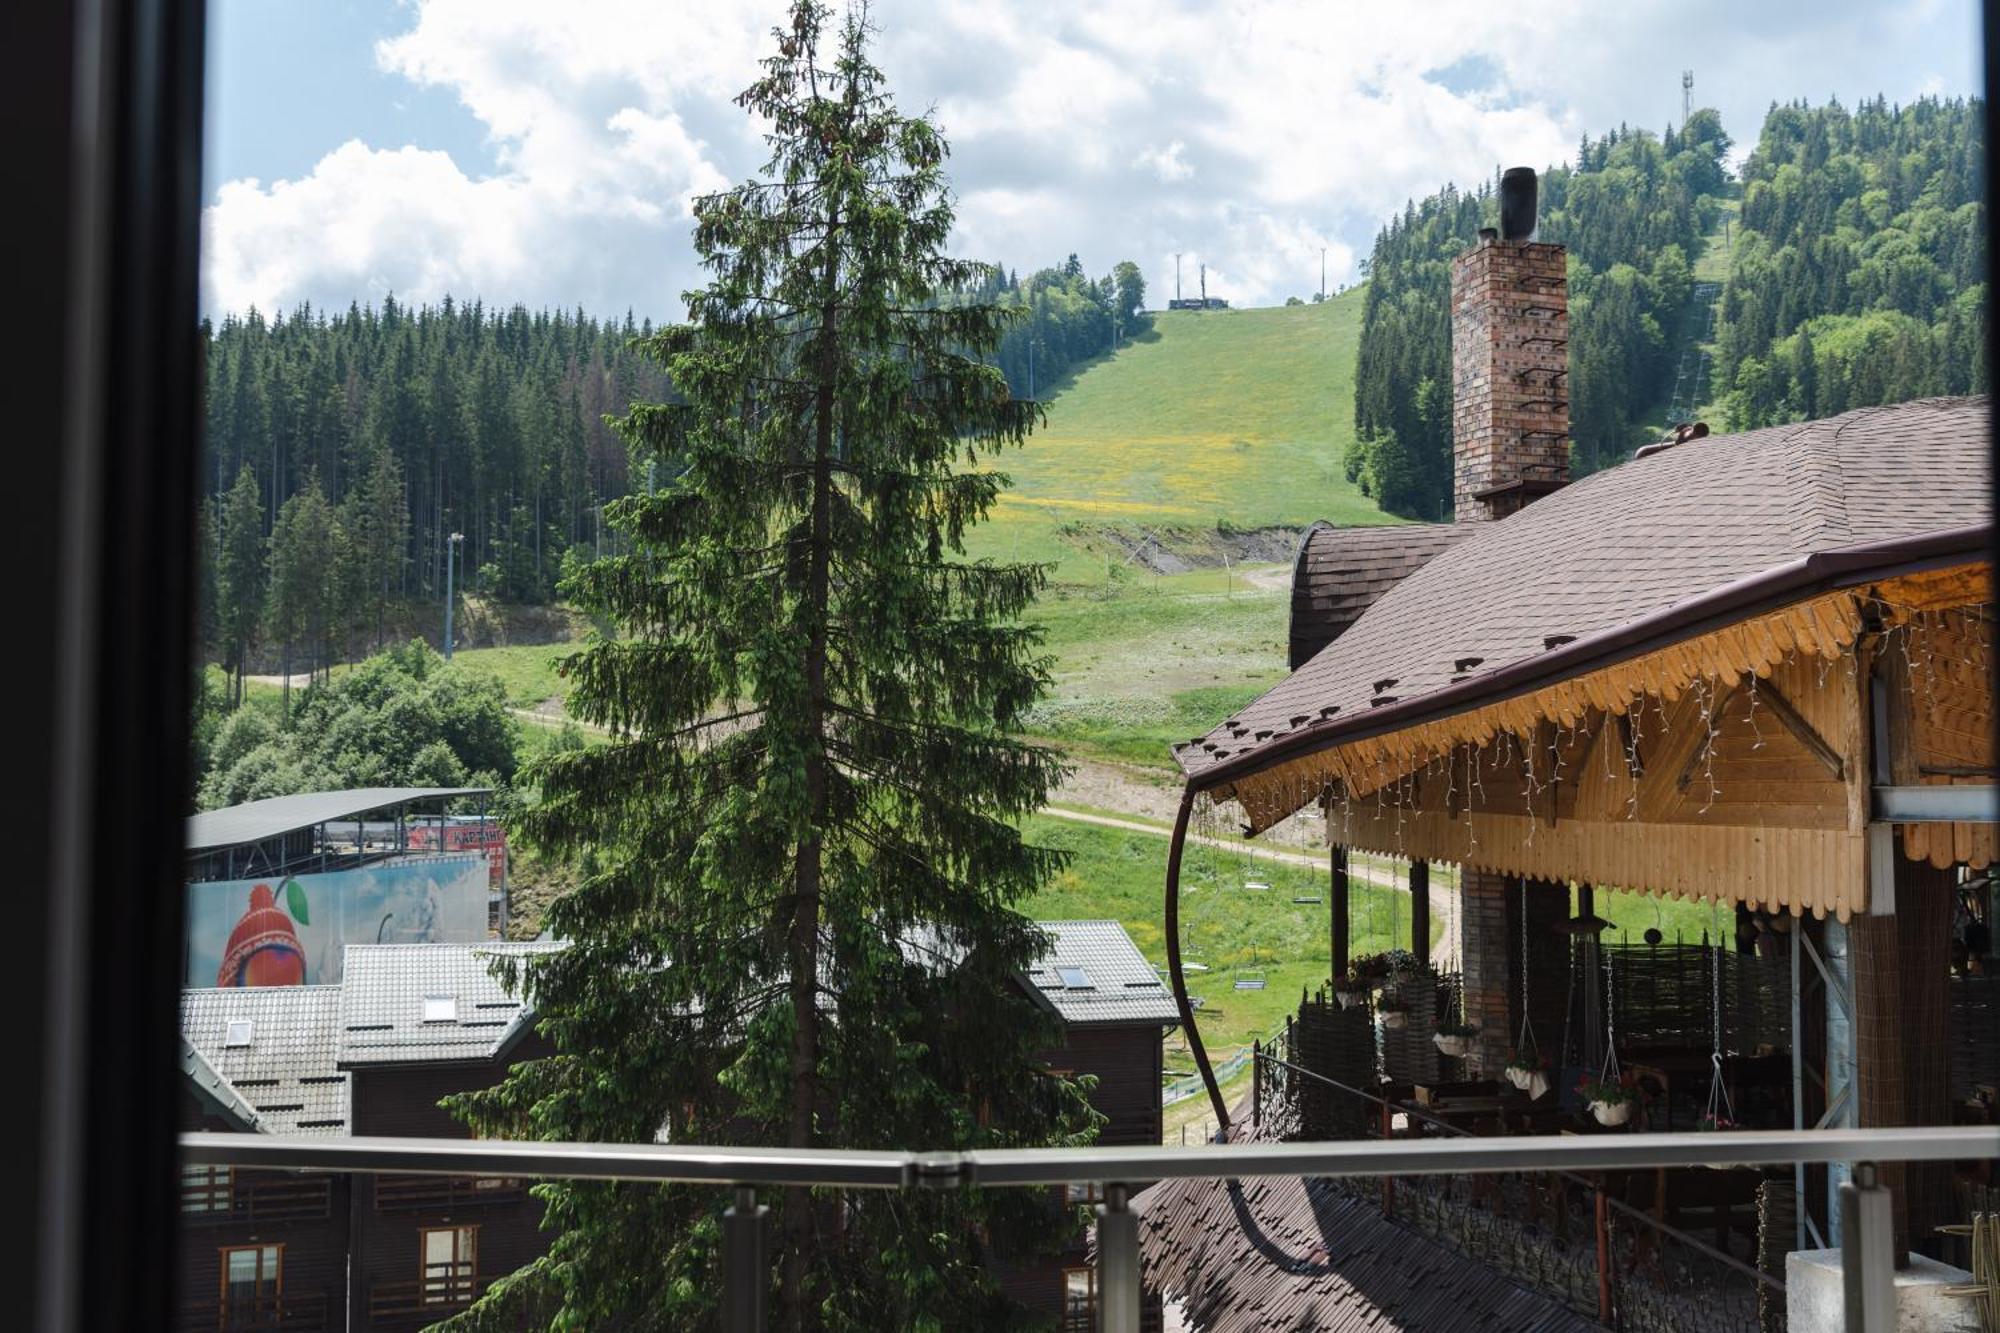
[1518, 189]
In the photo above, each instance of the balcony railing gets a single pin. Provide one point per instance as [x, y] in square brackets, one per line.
[300, 1312]
[284, 1199]
[395, 1194]
[435, 1296]
[1865, 1224]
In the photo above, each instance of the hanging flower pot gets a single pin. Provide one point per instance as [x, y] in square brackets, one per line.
[1712, 1123]
[1529, 1073]
[1611, 1113]
[1350, 997]
[1455, 1039]
[1611, 1099]
[1395, 1014]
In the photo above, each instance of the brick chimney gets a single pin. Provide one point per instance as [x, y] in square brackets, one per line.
[1509, 363]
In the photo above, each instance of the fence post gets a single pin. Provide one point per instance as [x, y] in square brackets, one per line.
[1256, 1081]
[1117, 1263]
[744, 1272]
[1603, 1258]
[1388, 1182]
[1867, 1252]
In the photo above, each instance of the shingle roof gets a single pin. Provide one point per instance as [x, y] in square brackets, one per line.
[1282, 1253]
[1626, 543]
[382, 1011]
[1340, 572]
[287, 1071]
[254, 821]
[1118, 984]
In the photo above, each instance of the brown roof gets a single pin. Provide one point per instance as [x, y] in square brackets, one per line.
[1292, 1254]
[1341, 571]
[1561, 580]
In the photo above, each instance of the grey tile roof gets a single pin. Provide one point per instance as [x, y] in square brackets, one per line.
[254, 821]
[215, 1091]
[1119, 985]
[384, 986]
[1629, 542]
[287, 1072]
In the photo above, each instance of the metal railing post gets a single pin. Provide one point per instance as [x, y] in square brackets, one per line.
[1256, 1082]
[1867, 1261]
[745, 1272]
[1388, 1182]
[1603, 1259]
[1117, 1262]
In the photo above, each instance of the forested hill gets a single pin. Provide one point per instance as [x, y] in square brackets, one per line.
[344, 448]
[1860, 273]
[486, 422]
[1633, 209]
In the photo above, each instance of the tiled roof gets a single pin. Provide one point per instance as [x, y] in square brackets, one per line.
[1340, 572]
[1282, 1253]
[383, 992]
[284, 1065]
[1116, 983]
[1627, 543]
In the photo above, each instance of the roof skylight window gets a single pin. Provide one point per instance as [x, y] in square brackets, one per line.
[241, 1032]
[440, 1008]
[1074, 978]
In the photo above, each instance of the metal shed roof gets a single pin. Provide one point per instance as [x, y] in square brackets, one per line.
[254, 821]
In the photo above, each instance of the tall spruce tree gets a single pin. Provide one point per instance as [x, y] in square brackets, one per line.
[239, 575]
[802, 929]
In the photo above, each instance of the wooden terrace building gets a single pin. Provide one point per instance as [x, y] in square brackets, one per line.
[1750, 670]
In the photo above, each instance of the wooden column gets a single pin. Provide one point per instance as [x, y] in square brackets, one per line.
[1337, 909]
[1420, 909]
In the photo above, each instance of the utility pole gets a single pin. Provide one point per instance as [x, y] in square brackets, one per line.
[450, 551]
[1177, 275]
[1031, 367]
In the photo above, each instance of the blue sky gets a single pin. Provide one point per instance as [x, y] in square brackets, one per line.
[543, 151]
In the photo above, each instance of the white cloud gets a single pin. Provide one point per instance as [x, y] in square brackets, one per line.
[1252, 134]
[1170, 164]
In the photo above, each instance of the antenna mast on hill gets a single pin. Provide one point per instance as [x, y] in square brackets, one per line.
[1687, 96]
[1177, 275]
[1322, 273]
[1204, 286]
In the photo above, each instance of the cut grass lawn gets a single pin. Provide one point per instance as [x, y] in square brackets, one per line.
[1237, 417]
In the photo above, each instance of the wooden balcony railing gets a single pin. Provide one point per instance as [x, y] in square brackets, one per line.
[434, 1296]
[294, 1312]
[271, 1199]
[394, 1194]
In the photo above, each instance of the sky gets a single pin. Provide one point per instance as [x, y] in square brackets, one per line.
[545, 151]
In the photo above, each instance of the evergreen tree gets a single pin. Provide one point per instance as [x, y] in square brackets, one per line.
[377, 520]
[802, 930]
[307, 560]
[240, 574]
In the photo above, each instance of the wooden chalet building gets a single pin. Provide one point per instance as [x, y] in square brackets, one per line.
[412, 1023]
[408, 1024]
[1750, 670]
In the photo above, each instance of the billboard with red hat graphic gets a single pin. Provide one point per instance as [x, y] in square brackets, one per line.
[289, 930]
